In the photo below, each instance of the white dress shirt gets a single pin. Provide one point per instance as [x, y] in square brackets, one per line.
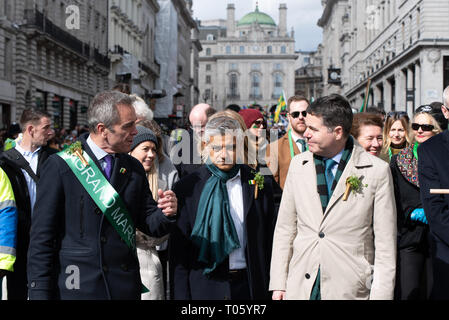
[237, 258]
[295, 138]
[98, 152]
[32, 158]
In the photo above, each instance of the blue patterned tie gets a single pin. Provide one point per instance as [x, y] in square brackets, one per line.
[108, 169]
[329, 164]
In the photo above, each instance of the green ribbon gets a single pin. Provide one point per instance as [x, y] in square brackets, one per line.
[105, 197]
[290, 141]
[415, 150]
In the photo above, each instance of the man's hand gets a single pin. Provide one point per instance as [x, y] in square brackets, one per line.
[278, 295]
[167, 202]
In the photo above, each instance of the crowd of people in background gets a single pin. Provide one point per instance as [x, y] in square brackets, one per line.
[325, 203]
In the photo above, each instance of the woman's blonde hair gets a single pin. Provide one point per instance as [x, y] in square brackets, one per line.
[391, 118]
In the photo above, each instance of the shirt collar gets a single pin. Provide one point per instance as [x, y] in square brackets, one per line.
[338, 156]
[295, 137]
[96, 150]
[25, 152]
[237, 176]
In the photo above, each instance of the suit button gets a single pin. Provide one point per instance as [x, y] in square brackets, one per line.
[98, 211]
[307, 276]
[124, 267]
[321, 234]
[103, 239]
[105, 269]
[33, 284]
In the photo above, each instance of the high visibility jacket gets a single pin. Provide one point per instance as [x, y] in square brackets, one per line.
[8, 223]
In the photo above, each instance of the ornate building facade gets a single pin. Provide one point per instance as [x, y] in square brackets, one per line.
[247, 61]
[54, 57]
[401, 46]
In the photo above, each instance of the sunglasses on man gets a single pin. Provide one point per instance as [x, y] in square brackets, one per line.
[425, 127]
[258, 123]
[296, 114]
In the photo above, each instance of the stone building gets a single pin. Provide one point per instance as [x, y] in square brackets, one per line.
[308, 74]
[132, 26]
[401, 46]
[247, 61]
[55, 57]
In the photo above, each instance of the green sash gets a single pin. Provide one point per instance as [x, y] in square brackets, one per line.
[104, 196]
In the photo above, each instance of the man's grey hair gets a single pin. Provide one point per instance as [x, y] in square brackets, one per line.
[446, 97]
[143, 111]
[103, 109]
[221, 126]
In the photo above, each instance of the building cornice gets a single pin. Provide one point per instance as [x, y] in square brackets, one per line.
[326, 13]
[250, 57]
[185, 13]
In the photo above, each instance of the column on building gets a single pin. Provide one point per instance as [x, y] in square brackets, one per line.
[387, 93]
[417, 84]
[410, 80]
[400, 89]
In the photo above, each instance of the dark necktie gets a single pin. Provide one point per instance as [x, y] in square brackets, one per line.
[108, 169]
[303, 144]
[329, 164]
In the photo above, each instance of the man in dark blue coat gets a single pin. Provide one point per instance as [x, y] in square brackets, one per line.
[221, 246]
[433, 173]
[75, 252]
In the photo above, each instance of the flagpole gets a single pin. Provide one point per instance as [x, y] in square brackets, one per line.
[365, 101]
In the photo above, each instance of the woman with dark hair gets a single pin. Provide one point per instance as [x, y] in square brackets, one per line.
[413, 246]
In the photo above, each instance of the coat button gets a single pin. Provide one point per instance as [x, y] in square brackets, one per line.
[33, 284]
[103, 239]
[307, 276]
[124, 267]
[321, 234]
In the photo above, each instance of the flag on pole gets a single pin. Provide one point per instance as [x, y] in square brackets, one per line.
[280, 107]
[366, 100]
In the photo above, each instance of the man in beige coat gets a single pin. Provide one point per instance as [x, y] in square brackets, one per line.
[327, 247]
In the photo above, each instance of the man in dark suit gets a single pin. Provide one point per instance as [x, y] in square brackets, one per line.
[75, 253]
[23, 165]
[221, 246]
[433, 157]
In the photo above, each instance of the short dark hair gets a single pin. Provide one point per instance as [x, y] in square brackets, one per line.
[335, 110]
[376, 110]
[365, 119]
[234, 107]
[210, 111]
[295, 98]
[32, 115]
[122, 87]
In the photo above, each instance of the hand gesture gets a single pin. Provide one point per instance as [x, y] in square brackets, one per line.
[167, 202]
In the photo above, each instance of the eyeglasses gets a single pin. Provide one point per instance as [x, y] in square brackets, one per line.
[425, 127]
[297, 113]
[258, 123]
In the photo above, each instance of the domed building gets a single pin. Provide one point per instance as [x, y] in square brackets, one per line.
[247, 61]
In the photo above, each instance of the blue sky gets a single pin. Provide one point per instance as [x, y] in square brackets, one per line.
[302, 15]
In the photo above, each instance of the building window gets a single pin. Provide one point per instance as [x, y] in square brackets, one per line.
[228, 49]
[233, 86]
[210, 37]
[255, 66]
[242, 49]
[208, 67]
[277, 66]
[233, 66]
[7, 60]
[207, 94]
[306, 60]
[269, 49]
[255, 86]
[208, 79]
[283, 49]
[277, 85]
[208, 52]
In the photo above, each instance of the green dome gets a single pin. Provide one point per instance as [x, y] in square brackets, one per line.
[258, 17]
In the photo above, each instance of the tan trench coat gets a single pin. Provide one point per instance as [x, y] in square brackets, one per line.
[353, 243]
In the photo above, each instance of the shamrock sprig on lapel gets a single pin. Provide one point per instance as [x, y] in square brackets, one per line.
[77, 150]
[258, 181]
[355, 184]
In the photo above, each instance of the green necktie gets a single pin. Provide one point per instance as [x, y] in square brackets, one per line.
[329, 164]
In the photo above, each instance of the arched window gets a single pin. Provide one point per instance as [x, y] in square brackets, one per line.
[210, 37]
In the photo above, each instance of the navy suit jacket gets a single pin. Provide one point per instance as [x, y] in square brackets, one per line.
[71, 239]
[433, 171]
[260, 219]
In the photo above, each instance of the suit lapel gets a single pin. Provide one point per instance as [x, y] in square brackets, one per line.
[120, 173]
[358, 160]
[247, 189]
